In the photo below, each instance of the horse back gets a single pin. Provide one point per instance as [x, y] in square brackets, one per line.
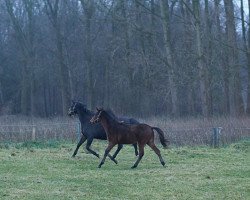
[128, 121]
[121, 133]
[135, 133]
[142, 131]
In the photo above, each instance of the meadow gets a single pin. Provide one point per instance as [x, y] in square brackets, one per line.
[34, 170]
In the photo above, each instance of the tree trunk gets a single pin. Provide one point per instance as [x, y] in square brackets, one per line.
[248, 59]
[202, 71]
[234, 89]
[26, 43]
[244, 34]
[130, 69]
[208, 58]
[1, 88]
[52, 12]
[224, 97]
[187, 43]
[24, 90]
[152, 26]
[88, 7]
[64, 72]
[140, 29]
[168, 57]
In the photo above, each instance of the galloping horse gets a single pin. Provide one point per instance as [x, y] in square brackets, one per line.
[94, 131]
[120, 133]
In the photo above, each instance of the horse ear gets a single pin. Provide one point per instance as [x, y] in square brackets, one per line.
[99, 109]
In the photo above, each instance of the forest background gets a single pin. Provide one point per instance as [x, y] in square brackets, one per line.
[140, 57]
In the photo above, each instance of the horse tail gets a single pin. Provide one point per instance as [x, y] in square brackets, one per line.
[164, 141]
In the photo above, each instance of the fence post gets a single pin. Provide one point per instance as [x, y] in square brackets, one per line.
[33, 133]
[216, 137]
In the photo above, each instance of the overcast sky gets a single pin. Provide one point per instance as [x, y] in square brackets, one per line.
[245, 5]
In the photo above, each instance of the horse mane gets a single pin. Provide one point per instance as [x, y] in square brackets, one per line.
[84, 108]
[88, 111]
[111, 114]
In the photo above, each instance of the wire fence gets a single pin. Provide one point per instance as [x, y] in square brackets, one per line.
[41, 132]
[214, 136]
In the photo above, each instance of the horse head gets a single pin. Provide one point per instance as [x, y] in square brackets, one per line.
[75, 108]
[97, 116]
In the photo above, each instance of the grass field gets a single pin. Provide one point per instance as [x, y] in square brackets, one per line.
[49, 172]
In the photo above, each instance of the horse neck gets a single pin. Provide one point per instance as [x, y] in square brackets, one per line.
[84, 117]
[107, 123]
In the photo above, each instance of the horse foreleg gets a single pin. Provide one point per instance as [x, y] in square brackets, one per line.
[120, 147]
[117, 150]
[112, 158]
[110, 146]
[141, 154]
[81, 141]
[89, 142]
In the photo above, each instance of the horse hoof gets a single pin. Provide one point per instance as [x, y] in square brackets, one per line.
[115, 161]
[73, 156]
[100, 165]
[163, 164]
[133, 167]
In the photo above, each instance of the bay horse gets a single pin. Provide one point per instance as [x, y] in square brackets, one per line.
[94, 131]
[121, 133]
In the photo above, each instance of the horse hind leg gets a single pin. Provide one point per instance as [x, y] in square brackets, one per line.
[89, 142]
[136, 151]
[141, 154]
[157, 151]
[81, 141]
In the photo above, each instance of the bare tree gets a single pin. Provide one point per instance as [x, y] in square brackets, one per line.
[232, 71]
[89, 9]
[26, 43]
[140, 57]
[52, 10]
[168, 57]
[202, 71]
[248, 59]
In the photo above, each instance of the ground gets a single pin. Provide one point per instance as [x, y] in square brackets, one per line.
[30, 172]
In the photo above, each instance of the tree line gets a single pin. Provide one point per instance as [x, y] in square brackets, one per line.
[143, 57]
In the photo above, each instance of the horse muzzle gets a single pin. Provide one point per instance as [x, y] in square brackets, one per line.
[70, 113]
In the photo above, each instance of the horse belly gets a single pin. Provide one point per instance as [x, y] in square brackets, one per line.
[126, 139]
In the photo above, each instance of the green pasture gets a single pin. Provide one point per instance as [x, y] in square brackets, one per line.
[47, 171]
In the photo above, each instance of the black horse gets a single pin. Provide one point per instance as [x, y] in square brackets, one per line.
[94, 131]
